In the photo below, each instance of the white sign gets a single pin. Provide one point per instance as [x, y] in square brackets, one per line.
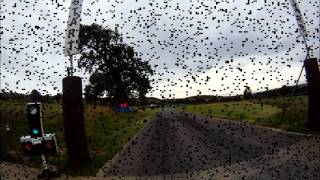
[35, 141]
[72, 33]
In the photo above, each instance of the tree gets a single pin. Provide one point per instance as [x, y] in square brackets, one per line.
[57, 97]
[3, 95]
[116, 71]
[247, 94]
[35, 96]
[47, 98]
[89, 94]
[284, 90]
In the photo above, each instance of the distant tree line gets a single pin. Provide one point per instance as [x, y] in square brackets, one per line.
[33, 96]
[201, 99]
[10, 95]
[284, 91]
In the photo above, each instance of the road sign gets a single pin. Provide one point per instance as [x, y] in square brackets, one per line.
[49, 144]
[40, 145]
[36, 141]
[72, 36]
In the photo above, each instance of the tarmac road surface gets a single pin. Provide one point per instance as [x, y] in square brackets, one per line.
[180, 145]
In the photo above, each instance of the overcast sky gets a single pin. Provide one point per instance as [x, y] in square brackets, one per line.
[196, 47]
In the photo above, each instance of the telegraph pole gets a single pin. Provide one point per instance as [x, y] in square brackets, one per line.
[73, 113]
[312, 73]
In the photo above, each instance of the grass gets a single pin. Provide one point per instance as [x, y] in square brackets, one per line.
[106, 132]
[295, 116]
[243, 110]
[270, 114]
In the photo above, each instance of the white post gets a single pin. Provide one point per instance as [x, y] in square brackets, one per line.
[44, 162]
[71, 65]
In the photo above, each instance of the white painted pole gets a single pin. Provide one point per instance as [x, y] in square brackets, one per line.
[44, 162]
[301, 25]
[71, 66]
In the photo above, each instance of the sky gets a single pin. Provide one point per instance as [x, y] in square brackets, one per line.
[196, 47]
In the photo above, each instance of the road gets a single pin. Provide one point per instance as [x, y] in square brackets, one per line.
[179, 145]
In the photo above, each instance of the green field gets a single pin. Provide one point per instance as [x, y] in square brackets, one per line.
[270, 114]
[106, 130]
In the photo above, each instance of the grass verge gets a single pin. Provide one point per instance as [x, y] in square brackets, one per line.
[106, 130]
[265, 112]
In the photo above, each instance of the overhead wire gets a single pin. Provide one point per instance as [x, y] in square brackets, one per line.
[303, 33]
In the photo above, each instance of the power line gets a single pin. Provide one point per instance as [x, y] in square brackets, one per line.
[303, 32]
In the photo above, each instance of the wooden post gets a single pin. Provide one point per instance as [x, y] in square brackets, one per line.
[313, 79]
[74, 128]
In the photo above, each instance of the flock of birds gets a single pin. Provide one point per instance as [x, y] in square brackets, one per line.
[181, 40]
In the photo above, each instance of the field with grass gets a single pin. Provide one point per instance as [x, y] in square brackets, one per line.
[106, 130]
[265, 112]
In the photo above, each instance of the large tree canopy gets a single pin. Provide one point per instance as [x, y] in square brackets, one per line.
[116, 71]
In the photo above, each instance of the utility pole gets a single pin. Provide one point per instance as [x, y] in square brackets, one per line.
[73, 112]
[313, 79]
[312, 73]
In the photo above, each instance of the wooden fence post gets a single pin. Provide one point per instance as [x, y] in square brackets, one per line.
[74, 128]
[313, 79]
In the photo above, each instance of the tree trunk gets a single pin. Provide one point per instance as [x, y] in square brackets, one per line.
[313, 79]
[74, 128]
